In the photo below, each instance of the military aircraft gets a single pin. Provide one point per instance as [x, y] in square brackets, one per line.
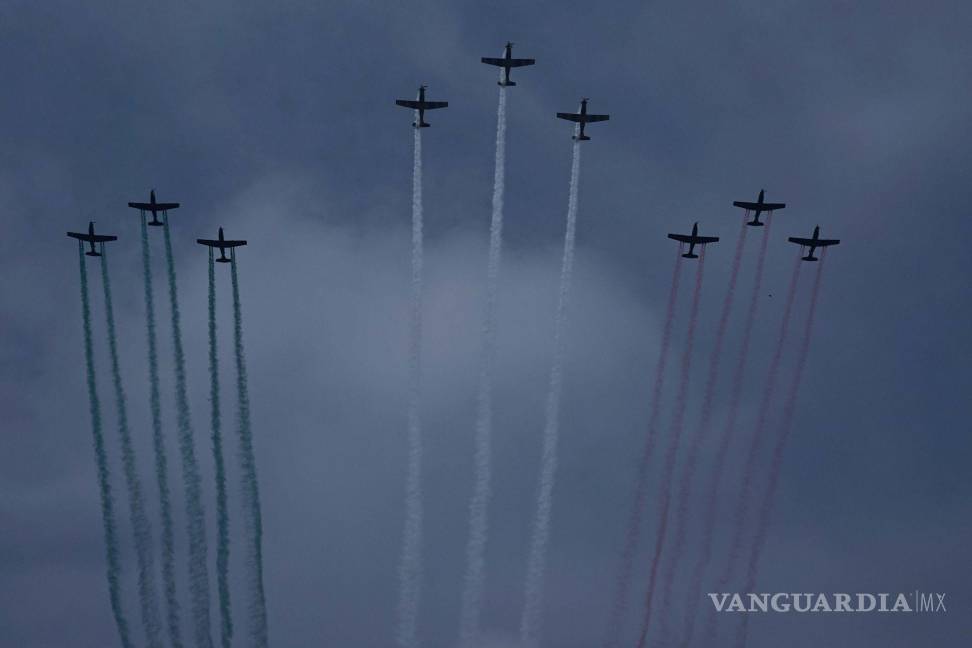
[154, 207]
[91, 238]
[222, 244]
[581, 117]
[693, 239]
[758, 207]
[506, 63]
[421, 105]
[813, 243]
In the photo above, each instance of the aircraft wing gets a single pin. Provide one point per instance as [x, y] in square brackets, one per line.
[805, 241]
[503, 62]
[220, 244]
[682, 238]
[574, 117]
[747, 205]
[773, 206]
[597, 118]
[164, 206]
[697, 240]
[432, 105]
[142, 206]
[499, 62]
[520, 62]
[92, 238]
[827, 242]
[421, 105]
[408, 103]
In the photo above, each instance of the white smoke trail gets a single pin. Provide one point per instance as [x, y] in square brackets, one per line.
[252, 515]
[472, 595]
[410, 568]
[533, 599]
[198, 570]
[112, 567]
[222, 514]
[172, 621]
[142, 530]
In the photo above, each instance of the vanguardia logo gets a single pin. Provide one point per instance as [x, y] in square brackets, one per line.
[807, 602]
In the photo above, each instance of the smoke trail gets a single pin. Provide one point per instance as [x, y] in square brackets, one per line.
[728, 433]
[671, 452]
[161, 462]
[142, 530]
[786, 426]
[472, 595]
[222, 516]
[701, 431]
[112, 569]
[533, 599]
[633, 532]
[252, 517]
[410, 568]
[198, 570]
[749, 469]
[769, 390]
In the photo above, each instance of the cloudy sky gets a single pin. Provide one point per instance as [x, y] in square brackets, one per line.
[277, 121]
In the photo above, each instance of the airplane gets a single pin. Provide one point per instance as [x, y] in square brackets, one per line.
[506, 63]
[222, 244]
[92, 238]
[581, 117]
[813, 243]
[421, 105]
[693, 239]
[758, 207]
[154, 207]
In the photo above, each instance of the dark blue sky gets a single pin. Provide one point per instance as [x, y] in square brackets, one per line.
[277, 122]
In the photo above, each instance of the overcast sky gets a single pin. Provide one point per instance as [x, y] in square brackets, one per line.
[277, 121]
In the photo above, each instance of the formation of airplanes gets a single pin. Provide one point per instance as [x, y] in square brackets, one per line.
[420, 104]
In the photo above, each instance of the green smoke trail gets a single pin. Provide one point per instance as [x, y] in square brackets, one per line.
[141, 528]
[198, 570]
[113, 570]
[161, 461]
[222, 516]
[252, 519]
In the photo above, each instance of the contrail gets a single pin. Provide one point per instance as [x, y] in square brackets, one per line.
[161, 462]
[671, 452]
[533, 599]
[786, 426]
[198, 570]
[633, 532]
[252, 516]
[701, 431]
[472, 595]
[142, 530]
[410, 568]
[749, 469]
[112, 569]
[222, 516]
[728, 434]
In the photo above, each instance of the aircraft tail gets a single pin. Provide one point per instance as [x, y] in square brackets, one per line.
[581, 138]
[506, 84]
[690, 255]
[755, 223]
[421, 124]
[810, 257]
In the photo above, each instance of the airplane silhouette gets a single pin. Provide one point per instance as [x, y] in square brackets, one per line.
[758, 207]
[154, 207]
[813, 243]
[222, 244]
[91, 238]
[693, 239]
[581, 117]
[421, 105]
[507, 62]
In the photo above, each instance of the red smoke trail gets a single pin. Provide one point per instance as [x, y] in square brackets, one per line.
[786, 427]
[749, 470]
[671, 451]
[695, 443]
[728, 433]
[632, 534]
